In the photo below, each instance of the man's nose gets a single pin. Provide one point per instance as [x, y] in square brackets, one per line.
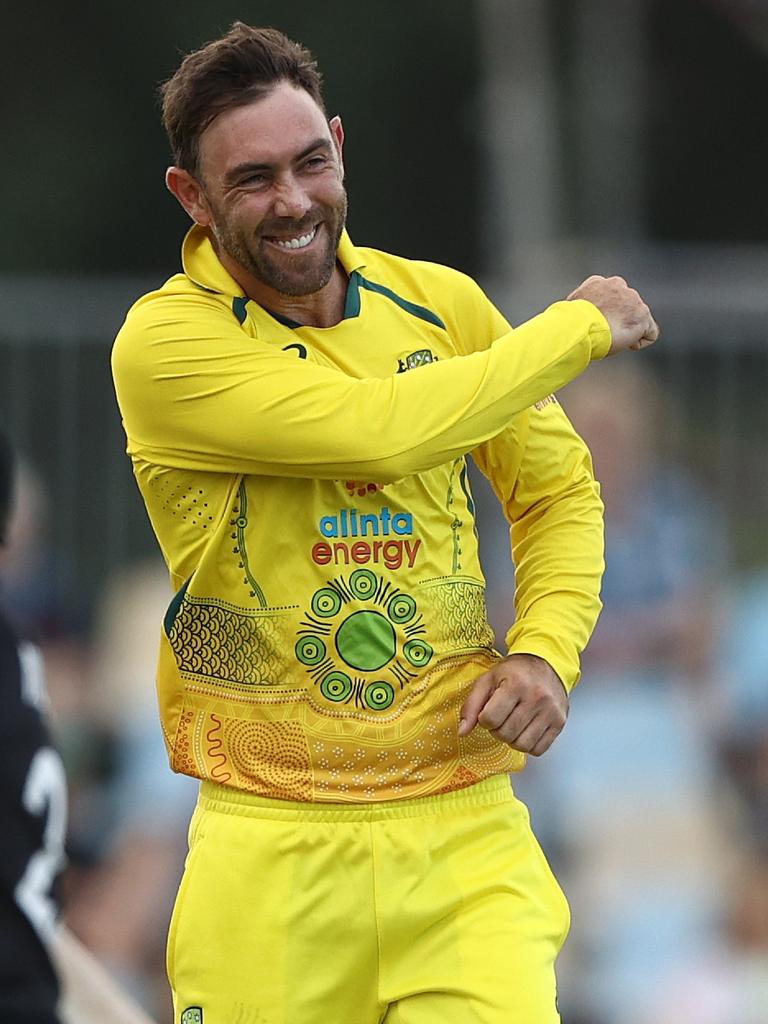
[291, 199]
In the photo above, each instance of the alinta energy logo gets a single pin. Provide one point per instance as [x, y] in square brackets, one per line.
[362, 641]
[352, 537]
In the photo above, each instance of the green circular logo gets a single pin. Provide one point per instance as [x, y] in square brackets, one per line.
[366, 629]
[418, 652]
[326, 602]
[379, 695]
[310, 650]
[366, 641]
[401, 608]
[336, 686]
[363, 583]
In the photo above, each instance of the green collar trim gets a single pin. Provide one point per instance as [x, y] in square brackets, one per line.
[352, 306]
[238, 308]
[203, 268]
[352, 303]
[284, 320]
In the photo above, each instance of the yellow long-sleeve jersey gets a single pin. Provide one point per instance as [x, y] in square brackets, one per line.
[308, 490]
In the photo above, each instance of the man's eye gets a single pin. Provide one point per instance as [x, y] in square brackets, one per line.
[254, 179]
[316, 162]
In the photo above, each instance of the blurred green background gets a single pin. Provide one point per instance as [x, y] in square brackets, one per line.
[530, 143]
[84, 152]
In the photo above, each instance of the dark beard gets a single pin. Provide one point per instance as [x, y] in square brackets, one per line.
[302, 280]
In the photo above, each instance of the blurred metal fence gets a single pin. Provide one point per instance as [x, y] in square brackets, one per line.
[57, 402]
[58, 407]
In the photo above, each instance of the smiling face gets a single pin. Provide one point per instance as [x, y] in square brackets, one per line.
[270, 189]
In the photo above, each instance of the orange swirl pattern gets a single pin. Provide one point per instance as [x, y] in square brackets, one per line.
[216, 753]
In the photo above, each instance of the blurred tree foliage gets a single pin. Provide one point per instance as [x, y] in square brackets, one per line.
[84, 154]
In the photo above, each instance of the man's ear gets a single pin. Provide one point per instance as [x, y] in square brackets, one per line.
[337, 134]
[189, 193]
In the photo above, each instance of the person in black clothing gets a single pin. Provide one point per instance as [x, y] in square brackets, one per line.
[33, 810]
[40, 959]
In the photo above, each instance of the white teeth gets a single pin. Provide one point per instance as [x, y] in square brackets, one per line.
[296, 243]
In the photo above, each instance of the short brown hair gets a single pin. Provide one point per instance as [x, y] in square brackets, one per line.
[236, 69]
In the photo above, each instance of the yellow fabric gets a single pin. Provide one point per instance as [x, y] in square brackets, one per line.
[308, 490]
[434, 911]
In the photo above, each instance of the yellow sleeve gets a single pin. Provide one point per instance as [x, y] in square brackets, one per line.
[196, 392]
[541, 472]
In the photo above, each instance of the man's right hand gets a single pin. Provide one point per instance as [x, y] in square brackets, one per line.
[631, 322]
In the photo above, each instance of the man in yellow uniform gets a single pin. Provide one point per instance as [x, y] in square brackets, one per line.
[298, 412]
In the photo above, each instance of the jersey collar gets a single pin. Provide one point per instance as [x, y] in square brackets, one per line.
[202, 266]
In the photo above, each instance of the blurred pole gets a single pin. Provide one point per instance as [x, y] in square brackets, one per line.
[522, 203]
[609, 46]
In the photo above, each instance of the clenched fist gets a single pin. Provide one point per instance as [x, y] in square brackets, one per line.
[631, 322]
[521, 700]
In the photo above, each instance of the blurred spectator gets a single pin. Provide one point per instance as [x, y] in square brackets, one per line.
[742, 720]
[665, 541]
[32, 593]
[32, 585]
[729, 983]
[135, 824]
[46, 976]
[626, 802]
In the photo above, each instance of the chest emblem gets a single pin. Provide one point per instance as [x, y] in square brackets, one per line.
[420, 358]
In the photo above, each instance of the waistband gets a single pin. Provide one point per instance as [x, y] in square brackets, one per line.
[494, 790]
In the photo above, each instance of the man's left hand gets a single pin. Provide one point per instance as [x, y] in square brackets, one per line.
[521, 700]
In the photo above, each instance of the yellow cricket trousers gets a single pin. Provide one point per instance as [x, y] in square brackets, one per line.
[440, 910]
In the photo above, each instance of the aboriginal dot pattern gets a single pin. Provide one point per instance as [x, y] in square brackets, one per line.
[189, 504]
[270, 756]
[287, 760]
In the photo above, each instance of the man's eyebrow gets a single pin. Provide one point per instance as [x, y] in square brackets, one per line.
[249, 166]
